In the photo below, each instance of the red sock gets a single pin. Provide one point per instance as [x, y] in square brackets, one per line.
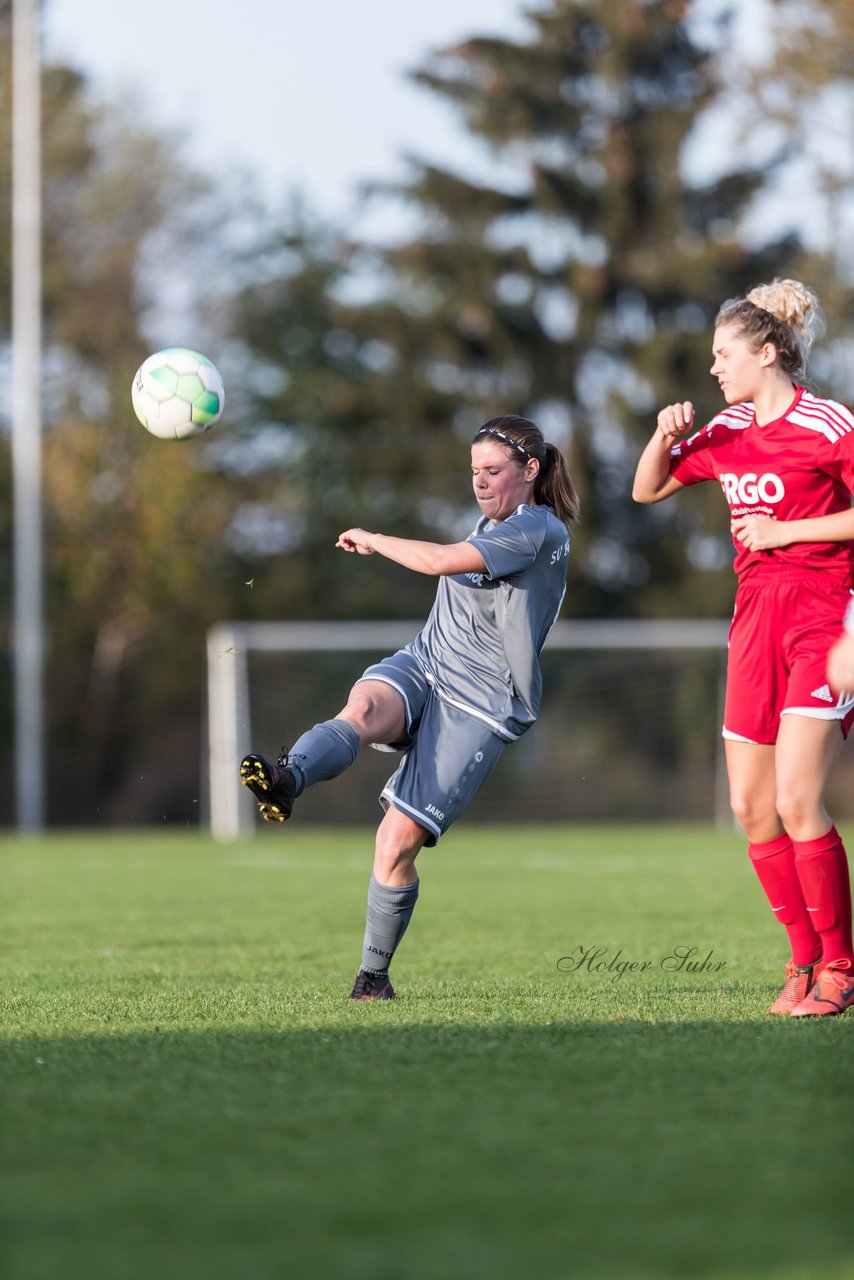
[823, 873]
[774, 863]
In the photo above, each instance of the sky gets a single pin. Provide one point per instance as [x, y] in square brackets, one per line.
[306, 94]
[312, 96]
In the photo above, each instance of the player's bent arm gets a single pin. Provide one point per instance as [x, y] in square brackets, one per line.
[653, 481]
[433, 558]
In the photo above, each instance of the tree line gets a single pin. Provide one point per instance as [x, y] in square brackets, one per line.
[578, 286]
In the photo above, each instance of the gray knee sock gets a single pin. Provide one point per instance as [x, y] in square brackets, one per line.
[389, 912]
[323, 752]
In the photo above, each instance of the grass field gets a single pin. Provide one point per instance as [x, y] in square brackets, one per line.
[187, 1093]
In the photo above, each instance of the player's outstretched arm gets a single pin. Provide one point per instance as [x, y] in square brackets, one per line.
[433, 558]
[653, 480]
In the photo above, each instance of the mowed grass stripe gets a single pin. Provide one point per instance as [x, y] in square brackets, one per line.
[188, 1094]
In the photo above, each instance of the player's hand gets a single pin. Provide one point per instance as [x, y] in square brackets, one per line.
[356, 540]
[674, 420]
[840, 664]
[759, 533]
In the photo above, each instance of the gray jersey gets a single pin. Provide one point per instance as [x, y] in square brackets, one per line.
[481, 643]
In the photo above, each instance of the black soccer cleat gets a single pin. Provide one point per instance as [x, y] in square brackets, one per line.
[273, 786]
[371, 986]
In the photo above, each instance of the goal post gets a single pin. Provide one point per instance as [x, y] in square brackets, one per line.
[629, 728]
[230, 648]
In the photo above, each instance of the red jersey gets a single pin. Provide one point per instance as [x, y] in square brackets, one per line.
[795, 468]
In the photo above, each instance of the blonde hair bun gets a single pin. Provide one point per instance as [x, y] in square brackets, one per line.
[793, 303]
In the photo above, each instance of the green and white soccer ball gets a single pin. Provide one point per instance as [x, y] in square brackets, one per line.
[177, 393]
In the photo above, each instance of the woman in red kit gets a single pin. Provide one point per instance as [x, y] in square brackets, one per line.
[785, 461]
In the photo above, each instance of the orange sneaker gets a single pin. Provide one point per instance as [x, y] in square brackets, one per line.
[833, 991]
[800, 979]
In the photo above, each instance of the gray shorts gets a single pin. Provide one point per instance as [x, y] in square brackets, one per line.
[448, 755]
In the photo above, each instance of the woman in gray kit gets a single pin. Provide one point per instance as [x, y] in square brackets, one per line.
[467, 684]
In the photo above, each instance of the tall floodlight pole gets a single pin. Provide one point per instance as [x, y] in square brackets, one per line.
[26, 414]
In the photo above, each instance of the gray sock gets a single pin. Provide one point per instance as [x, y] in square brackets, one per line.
[323, 752]
[389, 912]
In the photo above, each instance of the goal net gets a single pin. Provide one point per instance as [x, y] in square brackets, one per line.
[629, 728]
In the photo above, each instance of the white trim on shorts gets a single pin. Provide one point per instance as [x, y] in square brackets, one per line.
[844, 704]
[406, 707]
[500, 730]
[415, 814]
[821, 713]
[738, 737]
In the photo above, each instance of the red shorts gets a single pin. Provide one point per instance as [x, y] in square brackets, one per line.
[782, 630]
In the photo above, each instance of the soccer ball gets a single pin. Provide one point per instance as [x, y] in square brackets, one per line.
[177, 393]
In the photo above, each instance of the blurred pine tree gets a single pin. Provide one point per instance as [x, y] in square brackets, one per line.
[572, 275]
